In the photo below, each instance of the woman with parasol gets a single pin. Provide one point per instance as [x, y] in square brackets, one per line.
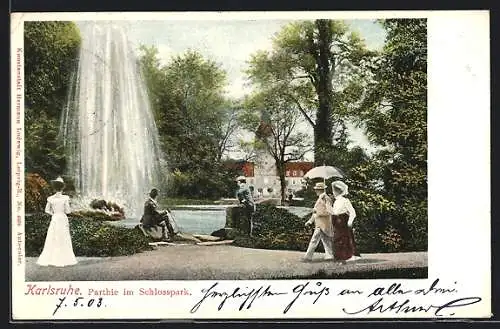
[343, 215]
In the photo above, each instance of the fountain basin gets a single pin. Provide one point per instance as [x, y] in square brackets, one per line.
[202, 219]
[194, 221]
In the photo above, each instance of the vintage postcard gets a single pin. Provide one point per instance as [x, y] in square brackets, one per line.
[250, 165]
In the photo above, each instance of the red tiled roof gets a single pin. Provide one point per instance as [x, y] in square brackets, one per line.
[246, 167]
[297, 169]
[292, 169]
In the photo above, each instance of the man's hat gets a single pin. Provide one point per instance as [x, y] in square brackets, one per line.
[341, 186]
[320, 186]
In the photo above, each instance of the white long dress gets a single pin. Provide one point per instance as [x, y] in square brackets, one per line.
[58, 248]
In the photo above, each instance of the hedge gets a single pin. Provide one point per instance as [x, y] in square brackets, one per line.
[90, 237]
[277, 228]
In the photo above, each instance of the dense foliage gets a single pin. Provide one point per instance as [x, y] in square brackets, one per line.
[319, 67]
[51, 53]
[389, 188]
[36, 192]
[317, 71]
[90, 237]
[394, 113]
[195, 122]
[277, 228]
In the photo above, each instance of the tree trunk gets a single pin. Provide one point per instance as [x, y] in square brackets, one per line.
[281, 174]
[323, 128]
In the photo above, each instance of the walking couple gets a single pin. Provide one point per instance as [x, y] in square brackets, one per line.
[333, 224]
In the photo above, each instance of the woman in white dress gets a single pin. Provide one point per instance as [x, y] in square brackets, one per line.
[58, 248]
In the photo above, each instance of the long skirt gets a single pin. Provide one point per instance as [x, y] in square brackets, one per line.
[58, 248]
[344, 245]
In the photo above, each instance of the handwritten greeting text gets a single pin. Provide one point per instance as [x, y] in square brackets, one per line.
[393, 298]
[247, 296]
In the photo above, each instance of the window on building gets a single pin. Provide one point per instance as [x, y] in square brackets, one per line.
[294, 173]
[301, 173]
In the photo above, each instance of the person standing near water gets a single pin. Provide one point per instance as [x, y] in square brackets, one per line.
[58, 248]
[246, 200]
[154, 217]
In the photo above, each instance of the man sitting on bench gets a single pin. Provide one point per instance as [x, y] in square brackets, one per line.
[154, 217]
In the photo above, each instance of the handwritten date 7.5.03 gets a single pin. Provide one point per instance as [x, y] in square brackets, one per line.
[78, 302]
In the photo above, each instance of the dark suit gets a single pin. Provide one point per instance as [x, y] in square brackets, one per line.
[153, 217]
[245, 197]
[246, 200]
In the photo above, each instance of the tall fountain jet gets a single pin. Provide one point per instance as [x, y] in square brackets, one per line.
[108, 127]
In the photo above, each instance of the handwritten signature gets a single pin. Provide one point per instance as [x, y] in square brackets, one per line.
[250, 295]
[407, 306]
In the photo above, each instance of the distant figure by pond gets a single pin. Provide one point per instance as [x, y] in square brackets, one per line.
[246, 200]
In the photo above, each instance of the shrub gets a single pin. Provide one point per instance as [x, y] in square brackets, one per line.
[90, 238]
[276, 228]
[36, 192]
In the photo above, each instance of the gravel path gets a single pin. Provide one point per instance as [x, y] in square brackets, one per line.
[219, 262]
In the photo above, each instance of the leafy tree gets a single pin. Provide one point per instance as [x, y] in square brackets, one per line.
[44, 153]
[151, 70]
[51, 53]
[395, 115]
[228, 127]
[276, 122]
[315, 58]
[195, 121]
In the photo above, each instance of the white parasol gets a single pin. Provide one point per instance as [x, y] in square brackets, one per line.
[324, 172]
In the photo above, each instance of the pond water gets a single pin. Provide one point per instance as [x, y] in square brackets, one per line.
[196, 221]
[202, 219]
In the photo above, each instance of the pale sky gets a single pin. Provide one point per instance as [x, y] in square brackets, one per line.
[230, 43]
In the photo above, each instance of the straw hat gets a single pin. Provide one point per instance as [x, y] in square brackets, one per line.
[340, 186]
[320, 186]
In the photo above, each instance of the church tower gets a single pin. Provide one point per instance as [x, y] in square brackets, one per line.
[265, 173]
